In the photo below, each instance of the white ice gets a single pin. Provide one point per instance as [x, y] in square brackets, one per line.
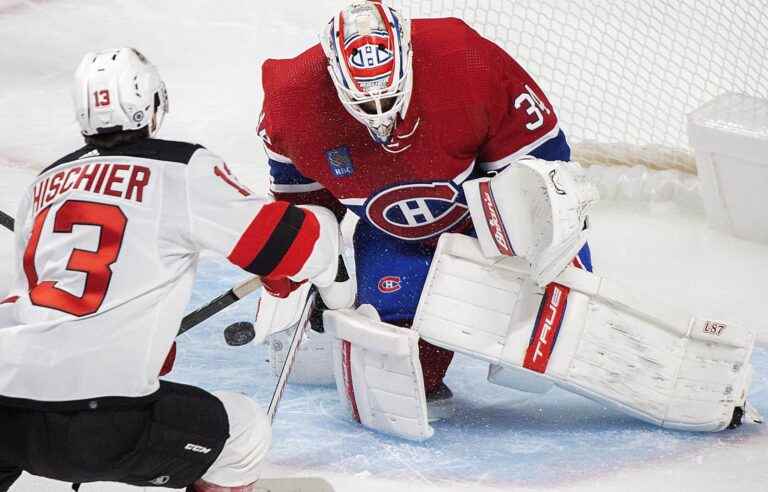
[209, 53]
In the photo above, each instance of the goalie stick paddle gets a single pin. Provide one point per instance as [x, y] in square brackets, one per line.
[301, 328]
[302, 325]
[7, 221]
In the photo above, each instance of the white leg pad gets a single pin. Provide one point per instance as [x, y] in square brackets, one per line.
[475, 305]
[586, 334]
[378, 373]
[519, 379]
[653, 361]
[314, 361]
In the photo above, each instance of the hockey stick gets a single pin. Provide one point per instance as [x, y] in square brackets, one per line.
[301, 328]
[216, 305]
[7, 221]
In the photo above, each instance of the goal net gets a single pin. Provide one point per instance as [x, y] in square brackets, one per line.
[623, 74]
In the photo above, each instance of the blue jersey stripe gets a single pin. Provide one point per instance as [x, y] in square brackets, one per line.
[555, 149]
[286, 174]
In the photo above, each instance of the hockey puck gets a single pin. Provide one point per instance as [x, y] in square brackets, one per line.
[240, 333]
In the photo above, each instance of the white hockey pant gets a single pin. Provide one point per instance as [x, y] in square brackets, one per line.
[250, 436]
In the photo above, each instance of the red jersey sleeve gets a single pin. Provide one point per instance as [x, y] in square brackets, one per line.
[521, 118]
[286, 182]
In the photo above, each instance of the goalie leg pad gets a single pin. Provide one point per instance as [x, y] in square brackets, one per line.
[588, 335]
[378, 374]
[314, 362]
[650, 360]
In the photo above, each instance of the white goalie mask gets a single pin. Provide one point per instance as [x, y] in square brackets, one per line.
[368, 46]
[117, 90]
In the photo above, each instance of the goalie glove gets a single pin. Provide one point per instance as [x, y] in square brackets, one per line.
[535, 209]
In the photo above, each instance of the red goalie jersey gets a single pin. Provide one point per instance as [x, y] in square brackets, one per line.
[473, 110]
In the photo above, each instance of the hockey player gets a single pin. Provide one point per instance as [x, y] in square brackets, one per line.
[402, 114]
[107, 246]
[430, 133]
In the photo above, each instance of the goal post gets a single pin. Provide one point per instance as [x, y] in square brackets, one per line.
[623, 74]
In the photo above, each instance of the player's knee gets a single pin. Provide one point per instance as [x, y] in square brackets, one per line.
[250, 436]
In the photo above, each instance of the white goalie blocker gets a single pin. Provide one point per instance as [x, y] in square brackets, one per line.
[588, 335]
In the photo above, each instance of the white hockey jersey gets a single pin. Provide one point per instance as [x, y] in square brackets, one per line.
[107, 245]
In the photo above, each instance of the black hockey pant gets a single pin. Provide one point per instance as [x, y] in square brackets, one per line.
[156, 443]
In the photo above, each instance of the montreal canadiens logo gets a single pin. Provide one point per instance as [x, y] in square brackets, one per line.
[416, 211]
[389, 284]
[369, 56]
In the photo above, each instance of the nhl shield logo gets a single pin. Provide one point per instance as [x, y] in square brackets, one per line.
[340, 162]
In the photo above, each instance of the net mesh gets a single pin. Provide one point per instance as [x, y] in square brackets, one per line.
[623, 75]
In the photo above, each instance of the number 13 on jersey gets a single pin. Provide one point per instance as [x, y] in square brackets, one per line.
[96, 265]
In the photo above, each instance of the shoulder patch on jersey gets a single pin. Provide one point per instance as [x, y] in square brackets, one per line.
[78, 154]
[340, 162]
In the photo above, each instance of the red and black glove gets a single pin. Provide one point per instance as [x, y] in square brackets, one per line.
[280, 287]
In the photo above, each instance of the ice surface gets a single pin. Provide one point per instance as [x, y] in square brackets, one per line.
[209, 53]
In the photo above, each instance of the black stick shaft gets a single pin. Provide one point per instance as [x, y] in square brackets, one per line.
[7, 221]
[228, 298]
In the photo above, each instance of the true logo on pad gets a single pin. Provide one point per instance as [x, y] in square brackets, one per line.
[548, 322]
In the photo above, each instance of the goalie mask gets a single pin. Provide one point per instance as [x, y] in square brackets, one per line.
[368, 46]
[117, 90]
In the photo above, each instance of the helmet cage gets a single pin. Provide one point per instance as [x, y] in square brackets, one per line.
[369, 61]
